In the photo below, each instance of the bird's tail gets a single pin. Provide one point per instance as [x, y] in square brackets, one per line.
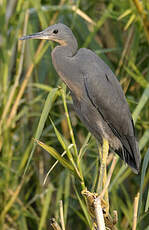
[133, 158]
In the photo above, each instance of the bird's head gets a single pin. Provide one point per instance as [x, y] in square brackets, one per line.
[59, 33]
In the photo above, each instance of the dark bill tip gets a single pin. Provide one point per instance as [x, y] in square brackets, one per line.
[24, 38]
[39, 35]
[28, 37]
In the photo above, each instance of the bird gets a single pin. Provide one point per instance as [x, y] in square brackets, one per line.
[97, 96]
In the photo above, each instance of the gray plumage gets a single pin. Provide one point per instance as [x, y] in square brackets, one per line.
[97, 95]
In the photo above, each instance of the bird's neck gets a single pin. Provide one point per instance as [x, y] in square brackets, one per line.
[66, 49]
[61, 58]
[62, 55]
[64, 59]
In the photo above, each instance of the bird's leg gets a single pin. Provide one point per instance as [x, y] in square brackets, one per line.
[103, 172]
[99, 186]
[105, 155]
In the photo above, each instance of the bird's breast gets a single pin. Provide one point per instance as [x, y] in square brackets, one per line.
[68, 71]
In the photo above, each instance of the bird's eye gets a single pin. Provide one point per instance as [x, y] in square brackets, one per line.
[55, 31]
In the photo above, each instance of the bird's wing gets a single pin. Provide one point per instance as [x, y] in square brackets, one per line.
[107, 96]
[105, 93]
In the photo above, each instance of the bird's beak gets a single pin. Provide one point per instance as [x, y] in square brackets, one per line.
[40, 35]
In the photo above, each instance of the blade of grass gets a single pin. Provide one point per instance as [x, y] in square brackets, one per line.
[98, 25]
[137, 77]
[84, 208]
[66, 196]
[144, 167]
[46, 109]
[143, 100]
[56, 155]
[45, 208]
[64, 145]
[130, 21]
[144, 139]
[11, 201]
[84, 146]
[59, 193]
[62, 142]
[147, 202]
[127, 12]
[40, 13]
[63, 93]
[42, 86]
[53, 166]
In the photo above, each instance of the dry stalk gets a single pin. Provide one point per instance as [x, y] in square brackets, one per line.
[99, 214]
[109, 176]
[125, 50]
[62, 215]
[136, 202]
[54, 224]
[83, 15]
[143, 15]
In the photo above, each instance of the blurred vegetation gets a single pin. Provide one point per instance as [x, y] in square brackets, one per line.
[118, 31]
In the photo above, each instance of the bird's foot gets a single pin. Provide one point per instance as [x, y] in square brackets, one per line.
[90, 199]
